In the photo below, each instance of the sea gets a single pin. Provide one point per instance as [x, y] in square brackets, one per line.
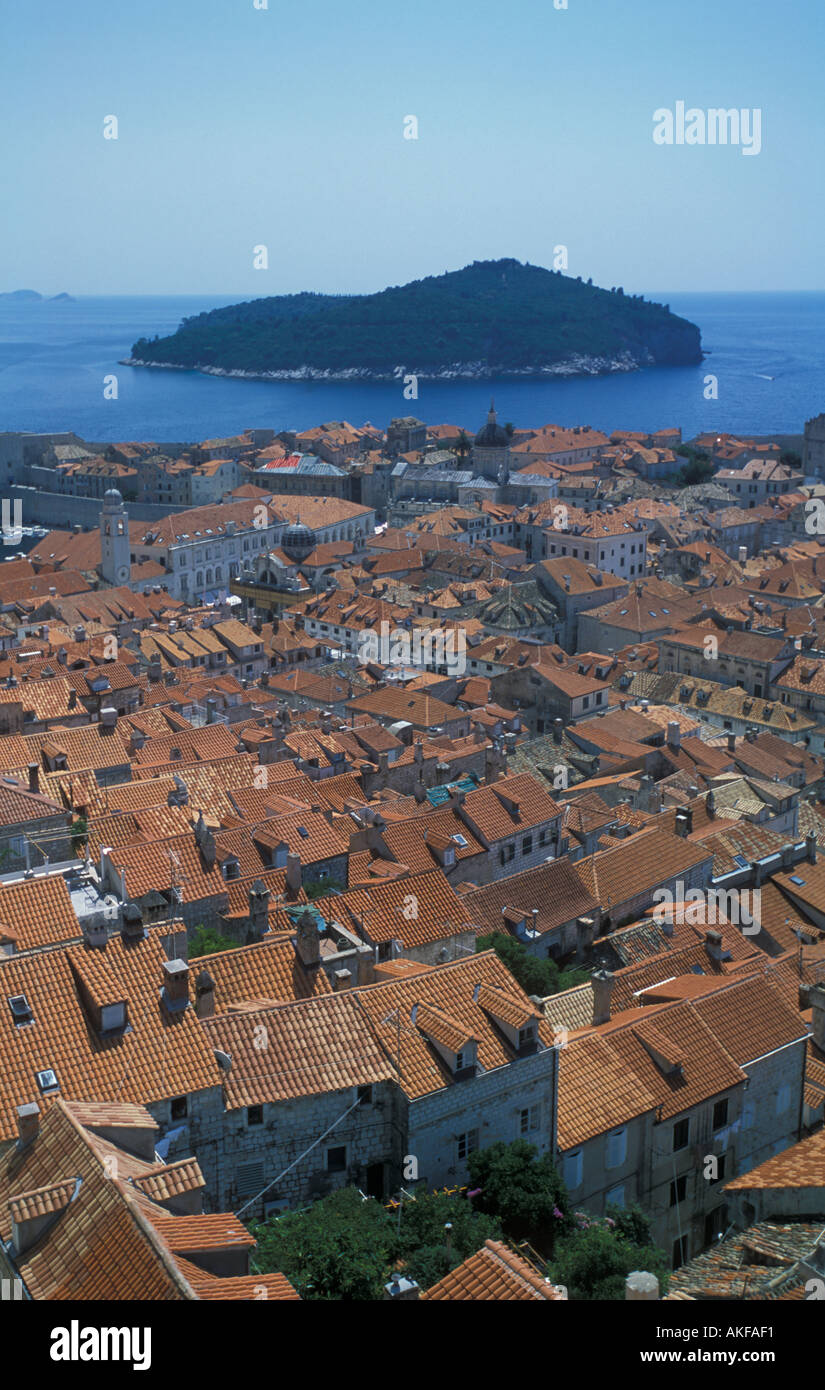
[766, 352]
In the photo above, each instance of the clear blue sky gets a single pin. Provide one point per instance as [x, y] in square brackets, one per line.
[284, 127]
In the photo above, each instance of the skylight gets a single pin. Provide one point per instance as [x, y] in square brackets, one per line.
[796, 879]
[47, 1080]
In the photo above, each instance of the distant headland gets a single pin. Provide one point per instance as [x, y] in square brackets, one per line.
[493, 318]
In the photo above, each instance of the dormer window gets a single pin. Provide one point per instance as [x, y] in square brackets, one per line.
[459, 1061]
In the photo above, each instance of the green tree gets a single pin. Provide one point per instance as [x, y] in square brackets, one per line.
[317, 889]
[341, 1248]
[79, 833]
[523, 1190]
[541, 977]
[423, 1237]
[206, 940]
[791, 458]
[594, 1259]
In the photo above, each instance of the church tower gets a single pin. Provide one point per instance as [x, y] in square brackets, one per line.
[115, 565]
[491, 450]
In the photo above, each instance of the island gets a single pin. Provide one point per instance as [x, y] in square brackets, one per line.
[493, 318]
[35, 297]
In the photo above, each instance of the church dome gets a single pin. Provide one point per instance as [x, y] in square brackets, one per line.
[491, 435]
[112, 495]
[297, 541]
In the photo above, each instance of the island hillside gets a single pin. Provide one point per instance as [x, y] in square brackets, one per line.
[491, 318]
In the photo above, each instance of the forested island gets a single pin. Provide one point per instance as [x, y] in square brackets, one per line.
[491, 318]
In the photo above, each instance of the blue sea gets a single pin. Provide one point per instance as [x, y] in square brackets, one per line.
[766, 350]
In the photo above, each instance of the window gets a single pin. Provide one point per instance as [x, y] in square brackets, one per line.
[678, 1190]
[527, 845]
[615, 1197]
[178, 1108]
[720, 1115]
[466, 1143]
[681, 1135]
[783, 1099]
[616, 1148]
[365, 1095]
[337, 1159]
[249, 1178]
[572, 1169]
[529, 1119]
[507, 854]
[459, 1061]
[254, 1114]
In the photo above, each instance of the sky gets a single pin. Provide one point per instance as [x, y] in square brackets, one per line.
[240, 127]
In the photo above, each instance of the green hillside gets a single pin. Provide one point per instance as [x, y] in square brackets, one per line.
[498, 316]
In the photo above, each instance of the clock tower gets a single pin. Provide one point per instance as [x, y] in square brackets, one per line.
[115, 564]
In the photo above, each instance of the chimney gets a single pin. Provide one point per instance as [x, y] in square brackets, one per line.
[731, 743]
[293, 877]
[34, 777]
[810, 847]
[28, 1123]
[175, 984]
[400, 1289]
[684, 821]
[341, 980]
[816, 999]
[204, 995]
[713, 944]
[710, 804]
[674, 734]
[211, 707]
[641, 1287]
[602, 982]
[307, 940]
[132, 928]
[258, 909]
[558, 729]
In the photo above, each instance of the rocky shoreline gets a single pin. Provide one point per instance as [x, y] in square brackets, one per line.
[469, 371]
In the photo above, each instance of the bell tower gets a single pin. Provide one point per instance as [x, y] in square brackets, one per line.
[115, 564]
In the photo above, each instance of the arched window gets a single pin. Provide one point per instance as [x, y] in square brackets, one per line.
[209, 576]
[199, 579]
[218, 574]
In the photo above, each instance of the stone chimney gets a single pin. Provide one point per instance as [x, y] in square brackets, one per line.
[558, 730]
[307, 940]
[293, 877]
[713, 944]
[132, 925]
[641, 1287]
[401, 1289]
[731, 743]
[810, 847]
[28, 1123]
[684, 821]
[603, 983]
[34, 777]
[816, 999]
[674, 734]
[204, 995]
[341, 980]
[175, 984]
[710, 804]
[137, 738]
[258, 909]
